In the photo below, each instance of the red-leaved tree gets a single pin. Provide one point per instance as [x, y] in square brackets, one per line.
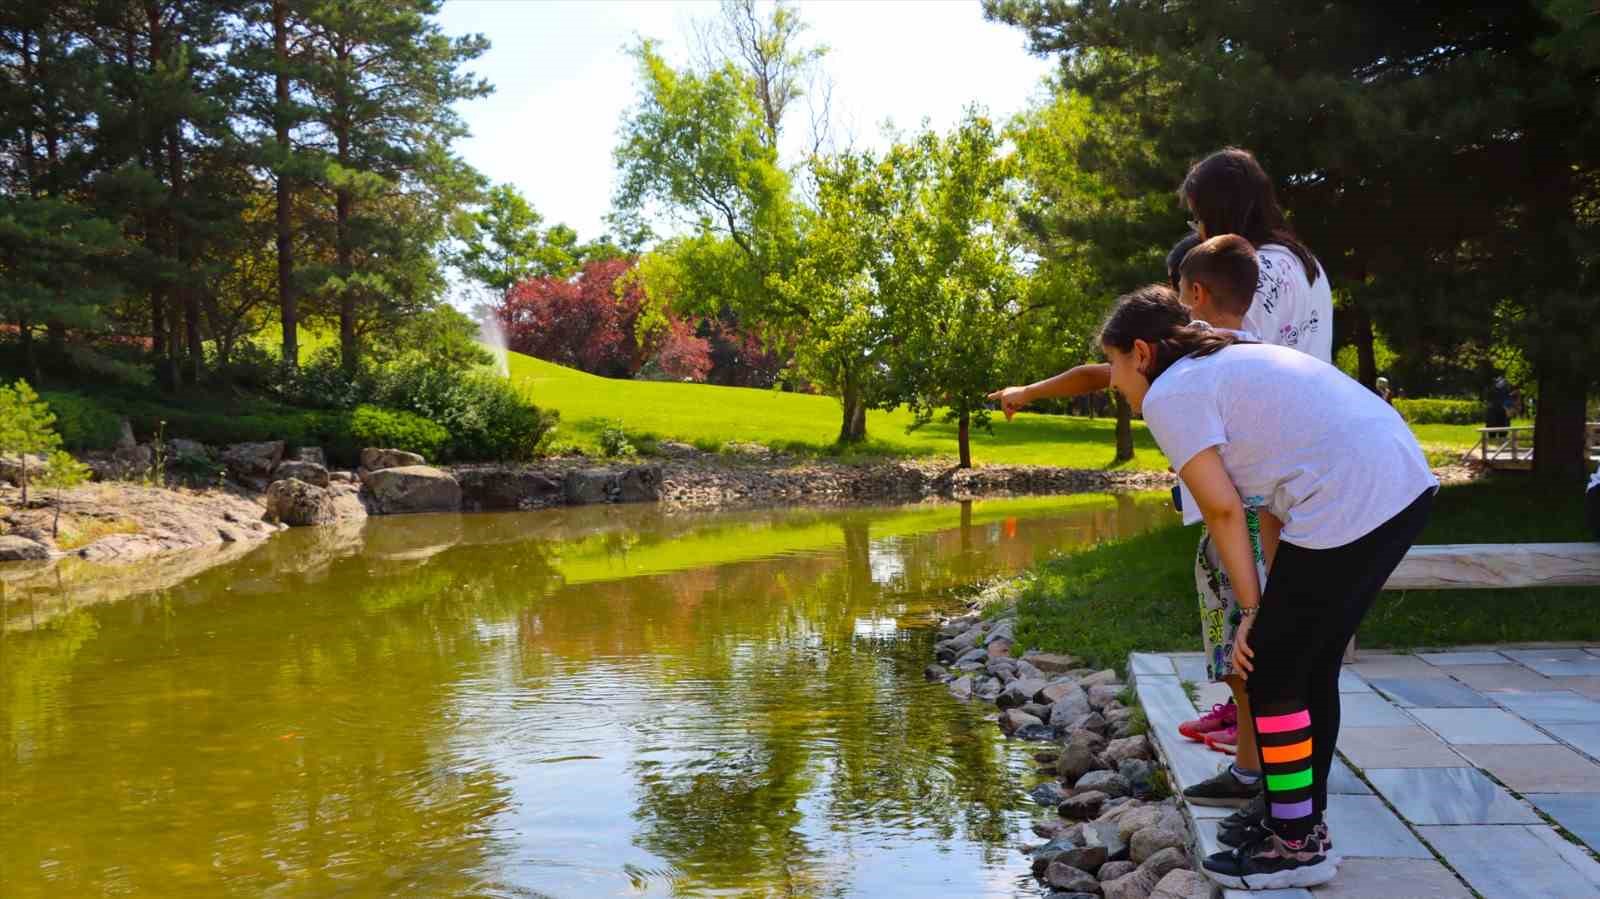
[585, 323]
[681, 355]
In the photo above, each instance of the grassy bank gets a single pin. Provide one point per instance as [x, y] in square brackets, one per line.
[1138, 594]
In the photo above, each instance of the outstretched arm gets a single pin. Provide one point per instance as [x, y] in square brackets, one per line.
[1072, 382]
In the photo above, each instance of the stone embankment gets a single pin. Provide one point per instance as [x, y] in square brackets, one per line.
[1112, 830]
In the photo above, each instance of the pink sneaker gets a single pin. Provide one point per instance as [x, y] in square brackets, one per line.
[1219, 718]
[1225, 740]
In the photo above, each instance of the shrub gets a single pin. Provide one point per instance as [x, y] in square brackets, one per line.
[614, 440]
[1440, 411]
[83, 423]
[485, 416]
[374, 426]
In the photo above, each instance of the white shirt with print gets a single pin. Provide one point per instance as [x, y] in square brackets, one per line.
[1286, 311]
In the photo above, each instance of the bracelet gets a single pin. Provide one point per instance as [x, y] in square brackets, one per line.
[1248, 611]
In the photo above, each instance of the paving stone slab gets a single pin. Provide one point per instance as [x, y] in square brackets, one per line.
[1588, 686]
[1363, 827]
[1583, 737]
[1369, 710]
[1192, 668]
[1371, 665]
[1150, 663]
[1462, 658]
[1396, 747]
[1551, 707]
[1343, 780]
[1515, 862]
[1393, 878]
[1165, 706]
[1557, 662]
[1267, 894]
[1537, 769]
[1467, 726]
[1449, 796]
[1509, 676]
[1430, 692]
[1351, 682]
[1577, 812]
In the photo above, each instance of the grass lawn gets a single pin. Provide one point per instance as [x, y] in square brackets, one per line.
[1138, 594]
[709, 416]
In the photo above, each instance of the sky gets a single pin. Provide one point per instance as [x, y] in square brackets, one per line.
[563, 80]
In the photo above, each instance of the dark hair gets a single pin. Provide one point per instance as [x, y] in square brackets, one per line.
[1226, 265]
[1153, 314]
[1230, 193]
[1175, 256]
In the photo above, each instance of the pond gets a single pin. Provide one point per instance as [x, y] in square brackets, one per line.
[611, 701]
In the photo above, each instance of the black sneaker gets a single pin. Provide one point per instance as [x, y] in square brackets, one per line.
[1254, 830]
[1253, 813]
[1223, 790]
[1272, 863]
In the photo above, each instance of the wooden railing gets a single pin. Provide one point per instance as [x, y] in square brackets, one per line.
[1512, 447]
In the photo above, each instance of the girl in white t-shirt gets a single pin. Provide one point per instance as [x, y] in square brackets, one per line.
[1339, 468]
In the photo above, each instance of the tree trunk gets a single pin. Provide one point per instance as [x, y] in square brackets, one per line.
[349, 352]
[1124, 430]
[853, 427]
[30, 361]
[964, 438]
[1558, 428]
[288, 308]
[1366, 356]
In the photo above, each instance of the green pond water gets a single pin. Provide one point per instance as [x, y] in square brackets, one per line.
[573, 703]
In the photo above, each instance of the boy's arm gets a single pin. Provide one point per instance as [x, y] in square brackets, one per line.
[1073, 382]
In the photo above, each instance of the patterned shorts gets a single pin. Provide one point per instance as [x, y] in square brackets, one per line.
[1219, 609]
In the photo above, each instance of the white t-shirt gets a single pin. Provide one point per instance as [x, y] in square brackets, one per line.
[1285, 310]
[1298, 437]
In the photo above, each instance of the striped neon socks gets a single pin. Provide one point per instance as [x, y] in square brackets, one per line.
[1285, 742]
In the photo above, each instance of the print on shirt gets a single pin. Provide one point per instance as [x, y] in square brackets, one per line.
[1269, 282]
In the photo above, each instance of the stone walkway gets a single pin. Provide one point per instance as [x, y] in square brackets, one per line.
[1475, 756]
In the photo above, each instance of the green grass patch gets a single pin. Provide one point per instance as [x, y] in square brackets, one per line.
[1137, 594]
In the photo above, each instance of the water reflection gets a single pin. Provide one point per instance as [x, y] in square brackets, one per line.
[586, 702]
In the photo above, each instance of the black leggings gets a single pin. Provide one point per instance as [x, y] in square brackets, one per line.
[1313, 603]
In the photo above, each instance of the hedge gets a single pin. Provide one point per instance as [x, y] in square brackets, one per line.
[1441, 411]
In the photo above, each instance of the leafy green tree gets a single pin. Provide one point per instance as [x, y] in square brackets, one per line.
[502, 244]
[27, 426]
[1372, 118]
[955, 286]
[61, 472]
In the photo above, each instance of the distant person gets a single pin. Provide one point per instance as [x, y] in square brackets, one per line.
[1497, 414]
[1592, 503]
[1346, 477]
[1382, 389]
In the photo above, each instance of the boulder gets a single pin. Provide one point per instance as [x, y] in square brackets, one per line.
[413, 488]
[1147, 842]
[252, 463]
[1108, 837]
[11, 468]
[1102, 695]
[955, 627]
[1047, 757]
[586, 486]
[179, 449]
[1048, 793]
[1140, 775]
[1118, 751]
[1069, 708]
[1061, 842]
[999, 648]
[376, 459]
[1052, 663]
[297, 503]
[309, 472]
[1082, 806]
[1019, 693]
[1091, 722]
[639, 484]
[1107, 782]
[1029, 672]
[974, 656]
[1013, 720]
[1056, 690]
[961, 687]
[1077, 759]
[506, 489]
[1002, 667]
[1084, 858]
[988, 689]
[1182, 884]
[310, 454]
[21, 549]
[1098, 678]
[1136, 819]
[1040, 733]
[1003, 629]
[1113, 870]
[1065, 877]
[1050, 828]
[935, 673]
[1042, 712]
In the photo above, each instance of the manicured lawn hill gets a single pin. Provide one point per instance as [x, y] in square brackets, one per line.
[710, 416]
[1138, 594]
